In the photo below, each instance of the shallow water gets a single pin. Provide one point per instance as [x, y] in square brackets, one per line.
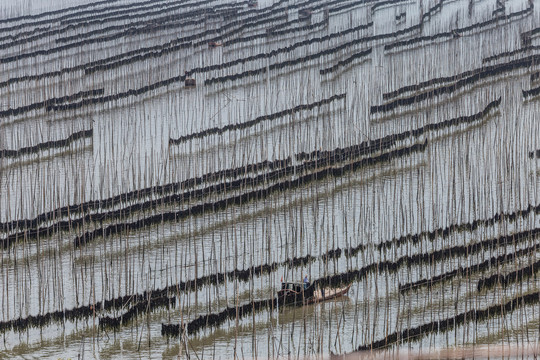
[467, 172]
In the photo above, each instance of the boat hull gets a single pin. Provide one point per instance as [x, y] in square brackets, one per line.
[328, 294]
[309, 295]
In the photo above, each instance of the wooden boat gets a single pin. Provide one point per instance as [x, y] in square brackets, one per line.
[305, 293]
[304, 14]
[329, 293]
[214, 44]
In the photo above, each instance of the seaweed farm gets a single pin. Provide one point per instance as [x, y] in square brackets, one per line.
[165, 165]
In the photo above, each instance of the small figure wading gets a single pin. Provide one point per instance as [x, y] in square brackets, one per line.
[306, 282]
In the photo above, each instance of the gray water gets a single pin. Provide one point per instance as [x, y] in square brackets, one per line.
[468, 172]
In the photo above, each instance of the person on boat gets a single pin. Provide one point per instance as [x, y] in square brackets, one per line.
[306, 282]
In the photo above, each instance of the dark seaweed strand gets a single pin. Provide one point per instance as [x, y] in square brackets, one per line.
[276, 30]
[186, 197]
[510, 278]
[195, 8]
[130, 29]
[309, 4]
[230, 12]
[384, 3]
[530, 33]
[427, 258]
[531, 93]
[307, 58]
[26, 33]
[215, 279]
[245, 197]
[118, 96]
[298, 44]
[278, 51]
[439, 255]
[141, 54]
[241, 183]
[256, 121]
[279, 18]
[350, 59]
[56, 12]
[485, 265]
[53, 144]
[427, 83]
[457, 32]
[416, 333]
[160, 51]
[185, 42]
[453, 78]
[50, 102]
[273, 33]
[149, 299]
[163, 26]
[75, 20]
[384, 142]
[364, 148]
[110, 62]
[80, 43]
[241, 275]
[118, 35]
[102, 67]
[471, 226]
[188, 39]
[103, 12]
[510, 53]
[126, 31]
[143, 193]
[486, 72]
[155, 23]
[139, 308]
[217, 319]
[356, 4]
[143, 302]
[88, 311]
[445, 232]
[417, 27]
[317, 159]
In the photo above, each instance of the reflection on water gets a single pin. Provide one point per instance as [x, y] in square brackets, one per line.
[469, 172]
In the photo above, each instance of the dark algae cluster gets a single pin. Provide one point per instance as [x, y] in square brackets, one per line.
[169, 169]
